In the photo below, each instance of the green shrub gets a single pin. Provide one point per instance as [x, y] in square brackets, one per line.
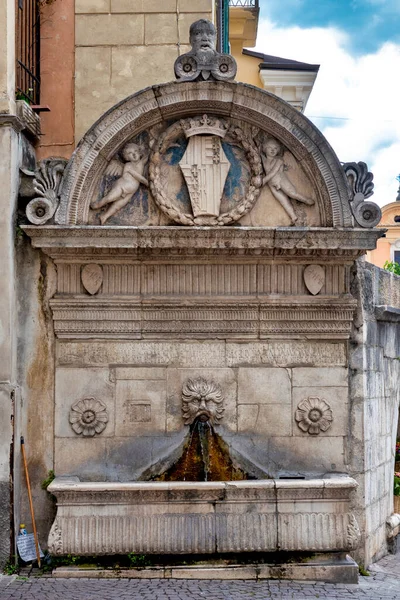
[393, 267]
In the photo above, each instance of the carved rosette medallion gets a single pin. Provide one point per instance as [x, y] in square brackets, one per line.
[313, 415]
[205, 168]
[203, 400]
[88, 417]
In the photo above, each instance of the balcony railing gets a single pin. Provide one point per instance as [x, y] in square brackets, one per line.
[28, 50]
[244, 3]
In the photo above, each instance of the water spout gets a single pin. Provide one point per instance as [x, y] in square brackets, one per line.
[205, 457]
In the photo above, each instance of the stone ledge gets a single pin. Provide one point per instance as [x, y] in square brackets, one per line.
[345, 243]
[333, 570]
[319, 317]
[390, 314]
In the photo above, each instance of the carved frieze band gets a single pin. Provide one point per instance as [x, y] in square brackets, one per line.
[201, 533]
[199, 279]
[77, 319]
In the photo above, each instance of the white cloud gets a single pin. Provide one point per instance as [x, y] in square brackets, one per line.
[362, 93]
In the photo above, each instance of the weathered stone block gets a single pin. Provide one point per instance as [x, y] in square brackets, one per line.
[196, 6]
[92, 6]
[324, 377]
[92, 86]
[81, 457]
[264, 386]
[161, 29]
[137, 66]
[143, 6]
[265, 419]
[182, 353]
[73, 385]
[314, 454]
[109, 30]
[285, 354]
[140, 406]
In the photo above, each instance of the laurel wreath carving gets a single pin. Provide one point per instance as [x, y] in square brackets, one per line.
[158, 188]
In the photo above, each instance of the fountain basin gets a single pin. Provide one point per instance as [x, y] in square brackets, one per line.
[203, 518]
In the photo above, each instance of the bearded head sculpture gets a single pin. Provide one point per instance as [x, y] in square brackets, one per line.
[202, 400]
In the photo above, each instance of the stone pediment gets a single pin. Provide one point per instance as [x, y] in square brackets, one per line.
[277, 168]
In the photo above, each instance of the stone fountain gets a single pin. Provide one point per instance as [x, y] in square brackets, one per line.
[204, 236]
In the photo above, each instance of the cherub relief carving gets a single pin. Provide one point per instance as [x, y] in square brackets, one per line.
[130, 178]
[278, 182]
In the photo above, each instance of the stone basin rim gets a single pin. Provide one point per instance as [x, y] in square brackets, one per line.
[60, 484]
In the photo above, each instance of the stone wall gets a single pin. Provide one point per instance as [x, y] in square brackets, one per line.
[374, 395]
[123, 46]
[9, 186]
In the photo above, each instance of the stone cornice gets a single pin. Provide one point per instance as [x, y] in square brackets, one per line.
[293, 242]
[12, 121]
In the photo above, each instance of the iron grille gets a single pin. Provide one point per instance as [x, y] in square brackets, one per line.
[28, 51]
[244, 3]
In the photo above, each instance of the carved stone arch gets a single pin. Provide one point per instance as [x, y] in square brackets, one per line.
[173, 101]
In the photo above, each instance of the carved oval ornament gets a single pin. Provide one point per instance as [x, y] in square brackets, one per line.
[92, 278]
[215, 128]
[314, 278]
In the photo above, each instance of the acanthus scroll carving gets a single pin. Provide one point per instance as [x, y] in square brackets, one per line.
[366, 214]
[46, 183]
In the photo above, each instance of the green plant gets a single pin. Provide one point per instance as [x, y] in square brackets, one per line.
[397, 455]
[24, 96]
[138, 560]
[46, 482]
[396, 486]
[393, 267]
[363, 571]
[10, 568]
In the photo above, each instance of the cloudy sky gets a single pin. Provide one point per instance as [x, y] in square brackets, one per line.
[356, 98]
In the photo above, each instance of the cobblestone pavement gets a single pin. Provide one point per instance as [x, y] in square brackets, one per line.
[382, 584]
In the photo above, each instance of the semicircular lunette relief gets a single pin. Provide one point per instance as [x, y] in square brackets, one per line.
[204, 170]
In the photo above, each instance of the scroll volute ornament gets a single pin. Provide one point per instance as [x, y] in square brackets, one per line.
[203, 62]
[366, 214]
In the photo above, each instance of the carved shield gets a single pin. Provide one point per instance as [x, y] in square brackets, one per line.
[92, 278]
[314, 278]
[205, 168]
